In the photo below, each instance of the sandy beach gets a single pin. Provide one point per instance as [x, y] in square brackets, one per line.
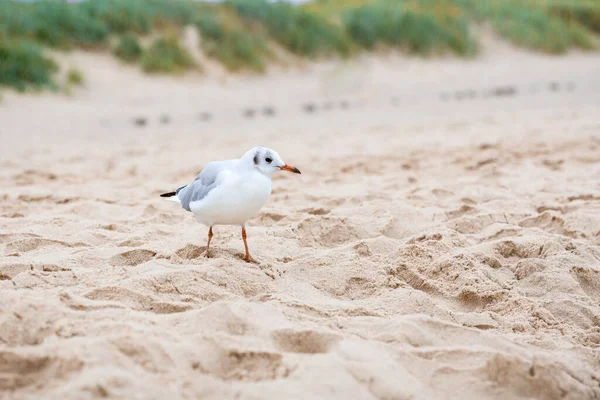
[442, 242]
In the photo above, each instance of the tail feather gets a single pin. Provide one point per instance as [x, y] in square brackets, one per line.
[172, 195]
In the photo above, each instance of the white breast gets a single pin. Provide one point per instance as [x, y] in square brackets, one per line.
[237, 198]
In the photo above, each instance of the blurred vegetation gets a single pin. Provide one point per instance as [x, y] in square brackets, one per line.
[224, 39]
[139, 16]
[536, 30]
[530, 24]
[166, 55]
[585, 12]
[420, 27]
[75, 77]
[128, 49]
[22, 65]
[238, 50]
[52, 23]
[239, 33]
[298, 30]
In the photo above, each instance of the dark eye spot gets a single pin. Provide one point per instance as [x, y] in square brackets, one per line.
[269, 160]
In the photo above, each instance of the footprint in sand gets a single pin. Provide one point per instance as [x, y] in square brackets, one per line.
[589, 280]
[358, 287]
[510, 249]
[9, 271]
[129, 297]
[475, 300]
[504, 91]
[132, 258]
[22, 369]
[205, 116]
[554, 86]
[248, 365]
[316, 211]
[140, 121]
[309, 108]
[527, 267]
[191, 252]
[549, 222]
[131, 243]
[326, 231]
[269, 111]
[165, 119]
[304, 341]
[269, 218]
[26, 245]
[31, 176]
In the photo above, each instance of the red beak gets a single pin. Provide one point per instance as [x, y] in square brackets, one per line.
[290, 168]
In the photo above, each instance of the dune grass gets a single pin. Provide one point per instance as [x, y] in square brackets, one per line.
[416, 26]
[89, 23]
[166, 55]
[239, 50]
[584, 12]
[530, 24]
[238, 33]
[140, 16]
[75, 77]
[228, 42]
[51, 23]
[536, 30]
[23, 65]
[296, 29]
[128, 49]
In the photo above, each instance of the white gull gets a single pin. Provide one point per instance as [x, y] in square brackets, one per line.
[230, 192]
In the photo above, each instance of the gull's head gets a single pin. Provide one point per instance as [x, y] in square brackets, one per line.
[268, 161]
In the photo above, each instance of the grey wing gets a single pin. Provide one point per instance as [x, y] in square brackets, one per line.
[205, 182]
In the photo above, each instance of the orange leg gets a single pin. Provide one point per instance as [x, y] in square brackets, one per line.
[248, 258]
[210, 235]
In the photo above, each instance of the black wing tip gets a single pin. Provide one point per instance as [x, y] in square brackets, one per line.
[170, 194]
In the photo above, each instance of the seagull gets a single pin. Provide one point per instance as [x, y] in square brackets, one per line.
[230, 192]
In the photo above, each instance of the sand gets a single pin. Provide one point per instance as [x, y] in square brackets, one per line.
[442, 242]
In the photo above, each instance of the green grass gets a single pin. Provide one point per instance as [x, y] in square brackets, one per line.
[52, 23]
[584, 12]
[536, 30]
[89, 23]
[239, 50]
[530, 24]
[415, 26]
[75, 77]
[166, 55]
[23, 64]
[296, 29]
[128, 49]
[140, 16]
[238, 33]
[236, 48]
